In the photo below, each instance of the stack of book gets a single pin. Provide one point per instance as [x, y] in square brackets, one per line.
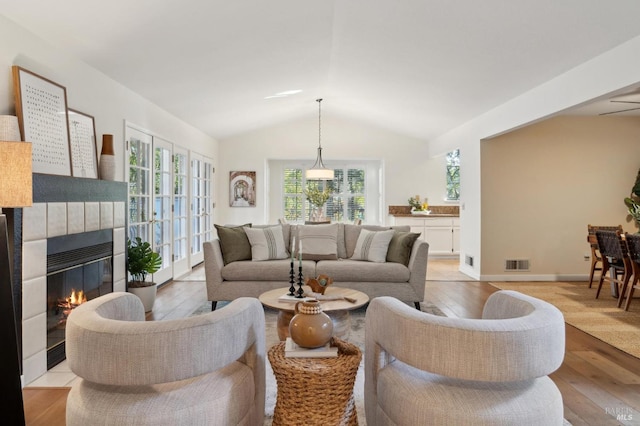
[292, 350]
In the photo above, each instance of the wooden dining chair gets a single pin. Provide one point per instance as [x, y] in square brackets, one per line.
[616, 264]
[633, 244]
[596, 257]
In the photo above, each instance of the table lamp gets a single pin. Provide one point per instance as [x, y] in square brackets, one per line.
[15, 191]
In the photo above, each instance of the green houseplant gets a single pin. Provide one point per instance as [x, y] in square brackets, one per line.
[317, 197]
[633, 201]
[142, 261]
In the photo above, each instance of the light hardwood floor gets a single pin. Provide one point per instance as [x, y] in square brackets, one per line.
[597, 381]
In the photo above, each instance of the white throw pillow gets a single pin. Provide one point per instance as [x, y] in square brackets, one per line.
[373, 245]
[319, 242]
[267, 243]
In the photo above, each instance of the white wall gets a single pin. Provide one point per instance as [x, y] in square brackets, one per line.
[91, 92]
[611, 71]
[407, 168]
[543, 184]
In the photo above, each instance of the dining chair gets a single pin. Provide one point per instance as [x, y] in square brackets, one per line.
[633, 244]
[596, 257]
[616, 265]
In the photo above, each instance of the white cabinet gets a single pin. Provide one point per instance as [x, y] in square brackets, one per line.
[442, 233]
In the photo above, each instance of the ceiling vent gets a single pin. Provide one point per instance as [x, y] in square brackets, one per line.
[517, 265]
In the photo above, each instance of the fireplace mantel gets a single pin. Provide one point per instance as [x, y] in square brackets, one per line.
[62, 205]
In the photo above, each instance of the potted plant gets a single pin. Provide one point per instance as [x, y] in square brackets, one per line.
[317, 198]
[633, 201]
[141, 261]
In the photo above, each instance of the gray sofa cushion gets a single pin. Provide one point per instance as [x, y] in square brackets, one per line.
[352, 232]
[400, 247]
[273, 270]
[357, 270]
[234, 243]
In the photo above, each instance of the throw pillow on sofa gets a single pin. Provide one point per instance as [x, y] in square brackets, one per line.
[234, 243]
[400, 247]
[319, 242]
[373, 245]
[267, 243]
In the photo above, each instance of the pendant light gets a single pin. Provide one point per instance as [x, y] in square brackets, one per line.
[318, 171]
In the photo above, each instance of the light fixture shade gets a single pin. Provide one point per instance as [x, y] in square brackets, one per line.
[15, 174]
[9, 128]
[319, 174]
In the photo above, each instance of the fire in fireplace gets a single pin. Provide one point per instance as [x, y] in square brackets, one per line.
[79, 268]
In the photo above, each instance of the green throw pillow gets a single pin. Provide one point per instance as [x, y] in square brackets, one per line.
[234, 243]
[400, 247]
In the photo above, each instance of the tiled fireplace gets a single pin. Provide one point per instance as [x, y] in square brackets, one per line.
[64, 207]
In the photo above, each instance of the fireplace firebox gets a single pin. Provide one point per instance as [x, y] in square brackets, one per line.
[79, 268]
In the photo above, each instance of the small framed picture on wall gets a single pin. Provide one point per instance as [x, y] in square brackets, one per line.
[242, 189]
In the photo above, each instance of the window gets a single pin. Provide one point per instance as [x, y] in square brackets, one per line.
[355, 192]
[453, 175]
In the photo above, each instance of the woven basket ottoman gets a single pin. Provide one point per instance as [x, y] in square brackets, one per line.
[316, 391]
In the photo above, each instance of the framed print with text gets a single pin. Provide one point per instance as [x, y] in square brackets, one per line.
[82, 141]
[41, 107]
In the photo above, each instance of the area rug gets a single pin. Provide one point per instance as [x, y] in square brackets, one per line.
[356, 336]
[601, 318]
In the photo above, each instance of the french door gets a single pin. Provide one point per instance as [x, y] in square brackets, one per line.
[162, 207]
[201, 205]
[180, 212]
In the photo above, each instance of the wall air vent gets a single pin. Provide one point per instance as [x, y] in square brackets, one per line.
[468, 260]
[516, 265]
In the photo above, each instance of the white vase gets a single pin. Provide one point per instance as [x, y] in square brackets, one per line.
[107, 164]
[146, 294]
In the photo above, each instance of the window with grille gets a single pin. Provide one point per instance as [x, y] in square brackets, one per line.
[348, 189]
[453, 175]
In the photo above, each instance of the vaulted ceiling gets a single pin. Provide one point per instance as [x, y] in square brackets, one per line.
[417, 67]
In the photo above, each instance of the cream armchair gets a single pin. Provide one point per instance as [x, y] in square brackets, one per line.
[207, 369]
[423, 369]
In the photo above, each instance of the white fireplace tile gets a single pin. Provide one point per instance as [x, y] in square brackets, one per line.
[34, 222]
[91, 216]
[106, 215]
[56, 219]
[34, 297]
[75, 218]
[34, 259]
[34, 367]
[119, 268]
[34, 335]
[54, 379]
[119, 214]
[119, 241]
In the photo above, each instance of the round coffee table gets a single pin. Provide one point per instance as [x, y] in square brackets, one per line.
[338, 310]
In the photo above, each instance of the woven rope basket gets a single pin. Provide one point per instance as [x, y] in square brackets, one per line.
[316, 391]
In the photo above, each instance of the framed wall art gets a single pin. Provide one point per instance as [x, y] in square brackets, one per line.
[242, 189]
[82, 140]
[41, 107]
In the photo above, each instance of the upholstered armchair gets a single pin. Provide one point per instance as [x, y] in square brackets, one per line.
[422, 369]
[202, 370]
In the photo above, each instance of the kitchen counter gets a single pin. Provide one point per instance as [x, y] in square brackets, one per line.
[426, 215]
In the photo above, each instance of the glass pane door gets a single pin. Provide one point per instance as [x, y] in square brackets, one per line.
[180, 212]
[201, 205]
[162, 203]
[140, 215]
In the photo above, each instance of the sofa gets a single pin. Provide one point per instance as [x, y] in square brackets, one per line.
[354, 256]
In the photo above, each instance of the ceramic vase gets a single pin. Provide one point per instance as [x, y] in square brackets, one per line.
[107, 159]
[310, 327]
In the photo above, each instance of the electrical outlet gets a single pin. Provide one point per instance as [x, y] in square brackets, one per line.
[587, 257]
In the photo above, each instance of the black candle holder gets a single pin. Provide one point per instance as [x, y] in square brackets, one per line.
[300, 282]
[292, 281]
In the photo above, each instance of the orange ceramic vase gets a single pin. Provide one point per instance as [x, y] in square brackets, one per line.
[310, 327]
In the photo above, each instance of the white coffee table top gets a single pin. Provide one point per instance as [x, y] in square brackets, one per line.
[270, 299]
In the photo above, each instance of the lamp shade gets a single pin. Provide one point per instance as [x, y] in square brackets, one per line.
[15, 174]
[9, 128]
[319, 174]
